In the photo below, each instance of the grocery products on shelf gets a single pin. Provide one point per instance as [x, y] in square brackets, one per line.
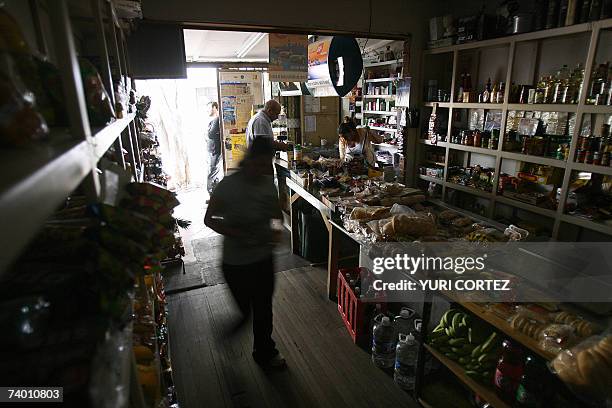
[600, 88]
[546, 134]
[565, 86]
[477, 177]
[590, 197]
[469, 342]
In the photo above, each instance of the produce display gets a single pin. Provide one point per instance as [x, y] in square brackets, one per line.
[469, 342]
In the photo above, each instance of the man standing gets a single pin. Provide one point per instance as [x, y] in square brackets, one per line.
[241, 209]
[260, 125]
[214, 146]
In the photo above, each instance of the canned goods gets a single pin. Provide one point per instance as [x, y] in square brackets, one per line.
[585, 143]
[605, 159]
[580, 155]
[596, 159]
[588, 157]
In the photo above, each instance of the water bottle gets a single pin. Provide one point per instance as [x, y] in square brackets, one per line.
[405, 362]
[404, 322]
[383, 342]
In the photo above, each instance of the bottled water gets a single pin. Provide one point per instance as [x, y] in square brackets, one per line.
[383, 342]
[405, 362]
[404, 322]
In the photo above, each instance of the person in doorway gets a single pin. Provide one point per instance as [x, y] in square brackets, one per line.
[241, 209]
[260, 125]
[214, 146]
[354, 142]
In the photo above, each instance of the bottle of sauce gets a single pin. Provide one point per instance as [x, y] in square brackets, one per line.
[530, 391]
[509, 371]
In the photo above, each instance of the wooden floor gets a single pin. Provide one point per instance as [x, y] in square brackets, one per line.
[325, 369]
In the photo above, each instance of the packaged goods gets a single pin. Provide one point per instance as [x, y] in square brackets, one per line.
[556, 337]
[99, 106]
[369, 213]
[587, 367]
[383, 343]
[404, 374]
[413, 225]
[20, 122]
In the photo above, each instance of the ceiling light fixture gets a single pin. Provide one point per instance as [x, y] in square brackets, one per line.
[250, 44]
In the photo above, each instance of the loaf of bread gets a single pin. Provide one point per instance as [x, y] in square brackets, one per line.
[413, 225]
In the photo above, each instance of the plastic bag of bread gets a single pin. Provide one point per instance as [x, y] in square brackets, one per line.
[447, 216]
[369, 213]
[556, 337]
[587, 367]
[413, 225]
[583, 327]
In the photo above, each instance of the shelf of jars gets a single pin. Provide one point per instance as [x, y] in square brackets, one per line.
[539, 119]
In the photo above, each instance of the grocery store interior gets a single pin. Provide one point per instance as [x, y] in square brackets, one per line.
[309, 204]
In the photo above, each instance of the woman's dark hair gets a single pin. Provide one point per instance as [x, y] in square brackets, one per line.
[214, 105]
[347, 128]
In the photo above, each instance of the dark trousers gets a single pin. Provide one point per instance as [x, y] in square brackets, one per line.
[213, 171]
[252, 287]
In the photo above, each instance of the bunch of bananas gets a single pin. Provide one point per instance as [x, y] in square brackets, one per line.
[470, 343]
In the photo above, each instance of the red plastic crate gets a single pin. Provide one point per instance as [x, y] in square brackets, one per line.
[350, 307]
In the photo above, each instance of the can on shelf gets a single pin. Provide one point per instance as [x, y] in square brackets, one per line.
[605, 159]
[596, 158]
[588, 157]
[580, 155]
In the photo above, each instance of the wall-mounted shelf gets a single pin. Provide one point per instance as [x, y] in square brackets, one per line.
[379, 112]
[469, 190]
[382, 129]
[382, 64]
[382, 79]
[507, 52]
[378, 96]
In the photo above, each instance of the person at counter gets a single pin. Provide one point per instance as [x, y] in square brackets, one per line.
[357, 142]
[260, 125]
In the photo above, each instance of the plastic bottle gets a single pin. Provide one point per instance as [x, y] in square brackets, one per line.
[404, 322]
[383, 342]
[530, 391]
[509, 371]
[405, 362]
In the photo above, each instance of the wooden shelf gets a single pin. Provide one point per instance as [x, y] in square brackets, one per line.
[382, 79]
[382, 64]
[601, 109]
[473, 149]
[481, 312]
[440, 104]
[428, 142]
[546, 161]
[379, 112]
[588, 224]
[382, 129]
[543, 107]
[536, 35]
[527, 207]
[490, 106]
[487, 393]
[431, 179]
[389, 145]
[591, 168]
[38, 178]
[378, 96]
[470, 190]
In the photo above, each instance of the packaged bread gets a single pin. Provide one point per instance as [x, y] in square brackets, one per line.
[556, 337]
[387, 229]
[414, 225]
[587, 367]
[583, 327]
[369, 213]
